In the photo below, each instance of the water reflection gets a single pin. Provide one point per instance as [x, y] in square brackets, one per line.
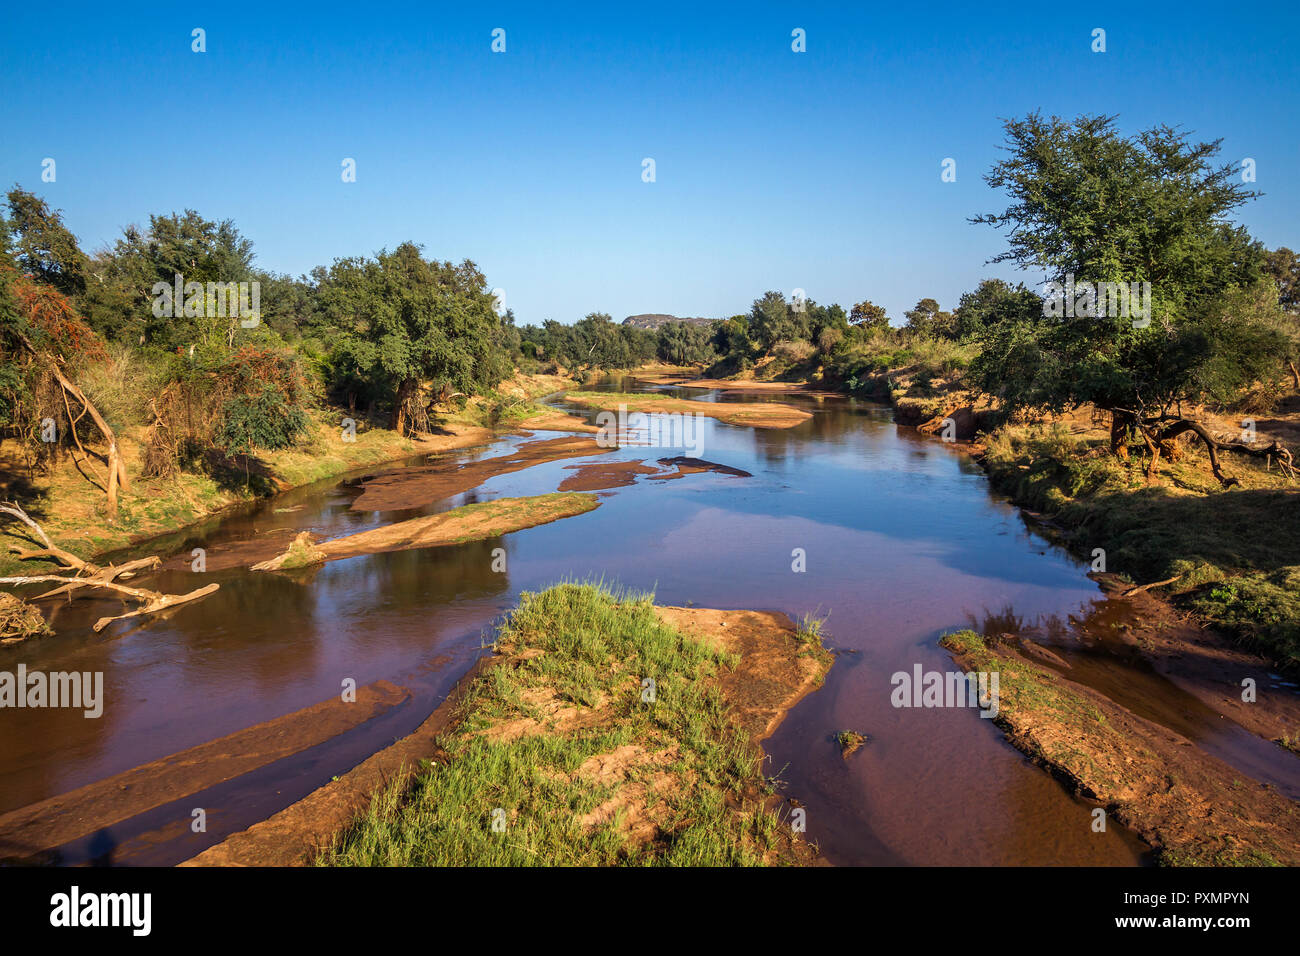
[903, 541]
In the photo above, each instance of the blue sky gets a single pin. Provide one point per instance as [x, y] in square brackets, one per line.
[774, 169]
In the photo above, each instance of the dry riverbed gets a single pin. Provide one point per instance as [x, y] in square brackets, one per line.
[485, 519]
[757, 415]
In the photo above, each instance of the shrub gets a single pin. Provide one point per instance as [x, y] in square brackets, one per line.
[266, 419]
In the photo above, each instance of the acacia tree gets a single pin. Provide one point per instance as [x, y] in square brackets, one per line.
[401, 321]
[1092, 205]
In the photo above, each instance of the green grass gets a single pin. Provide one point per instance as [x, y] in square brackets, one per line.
[1237, 550]
[1023, 687]
[590, 647]
[809, 634]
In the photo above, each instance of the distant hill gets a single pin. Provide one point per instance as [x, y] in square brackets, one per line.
[652, 320]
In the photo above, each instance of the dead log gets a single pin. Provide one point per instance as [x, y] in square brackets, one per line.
[117, 477]
[70, 560]
[87, 575]
[111, 573]
[151, 601]
[1141, 588]
[159, 603]
[1213, 446]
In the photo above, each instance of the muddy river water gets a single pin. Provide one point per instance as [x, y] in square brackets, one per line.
[902, 540]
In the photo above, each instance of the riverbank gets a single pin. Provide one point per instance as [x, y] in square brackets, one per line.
[1231, 557]
[1233, 554]
[69, 508]
[603, 730]
[1194, 809]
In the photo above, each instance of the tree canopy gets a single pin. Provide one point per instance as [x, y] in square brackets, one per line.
[1091, 205]
[401, 320]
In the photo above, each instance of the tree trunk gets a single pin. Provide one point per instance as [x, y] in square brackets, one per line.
[1119, 424]
[112, 481]
[401, 406]
[98, 419]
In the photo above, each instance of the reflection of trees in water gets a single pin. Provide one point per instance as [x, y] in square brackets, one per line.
[833, 419]
[1074, 629]
[353, 601]
[430, 577]
[994, 623]
[274, 626]
[272, 630]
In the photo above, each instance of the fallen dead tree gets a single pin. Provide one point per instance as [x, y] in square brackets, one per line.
[86, 575]
[1160, 433]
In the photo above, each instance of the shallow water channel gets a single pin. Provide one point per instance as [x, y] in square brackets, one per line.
[903, 540]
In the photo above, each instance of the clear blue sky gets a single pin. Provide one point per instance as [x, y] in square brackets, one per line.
[775, 169]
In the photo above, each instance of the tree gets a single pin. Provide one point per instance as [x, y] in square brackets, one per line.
[830, 319]
[1284, 267]
[732, 340]
[401, 320]
[44, 343]
[771, 320]
[869, 316]
[1090, 206]
[120, 293]
[991, 302]
[684, 343]
[926, 318]
[44, 247]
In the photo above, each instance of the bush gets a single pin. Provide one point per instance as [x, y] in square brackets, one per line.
[793, 352]
[266, 419]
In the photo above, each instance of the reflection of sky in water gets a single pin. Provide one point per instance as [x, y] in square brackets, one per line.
[902, 537]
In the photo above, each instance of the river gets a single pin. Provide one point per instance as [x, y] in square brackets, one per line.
[902, 540]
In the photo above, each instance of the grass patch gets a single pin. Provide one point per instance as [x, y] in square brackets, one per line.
[525, 776]
[1238, 550]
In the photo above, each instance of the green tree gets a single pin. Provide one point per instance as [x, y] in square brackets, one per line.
[991, 302]
[401, 321]
[1092, 204]
[868, 316]
[926, 318]
[44, 246]
[684, 343]
[1284, 267]
[772, 319]
[120, 295]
